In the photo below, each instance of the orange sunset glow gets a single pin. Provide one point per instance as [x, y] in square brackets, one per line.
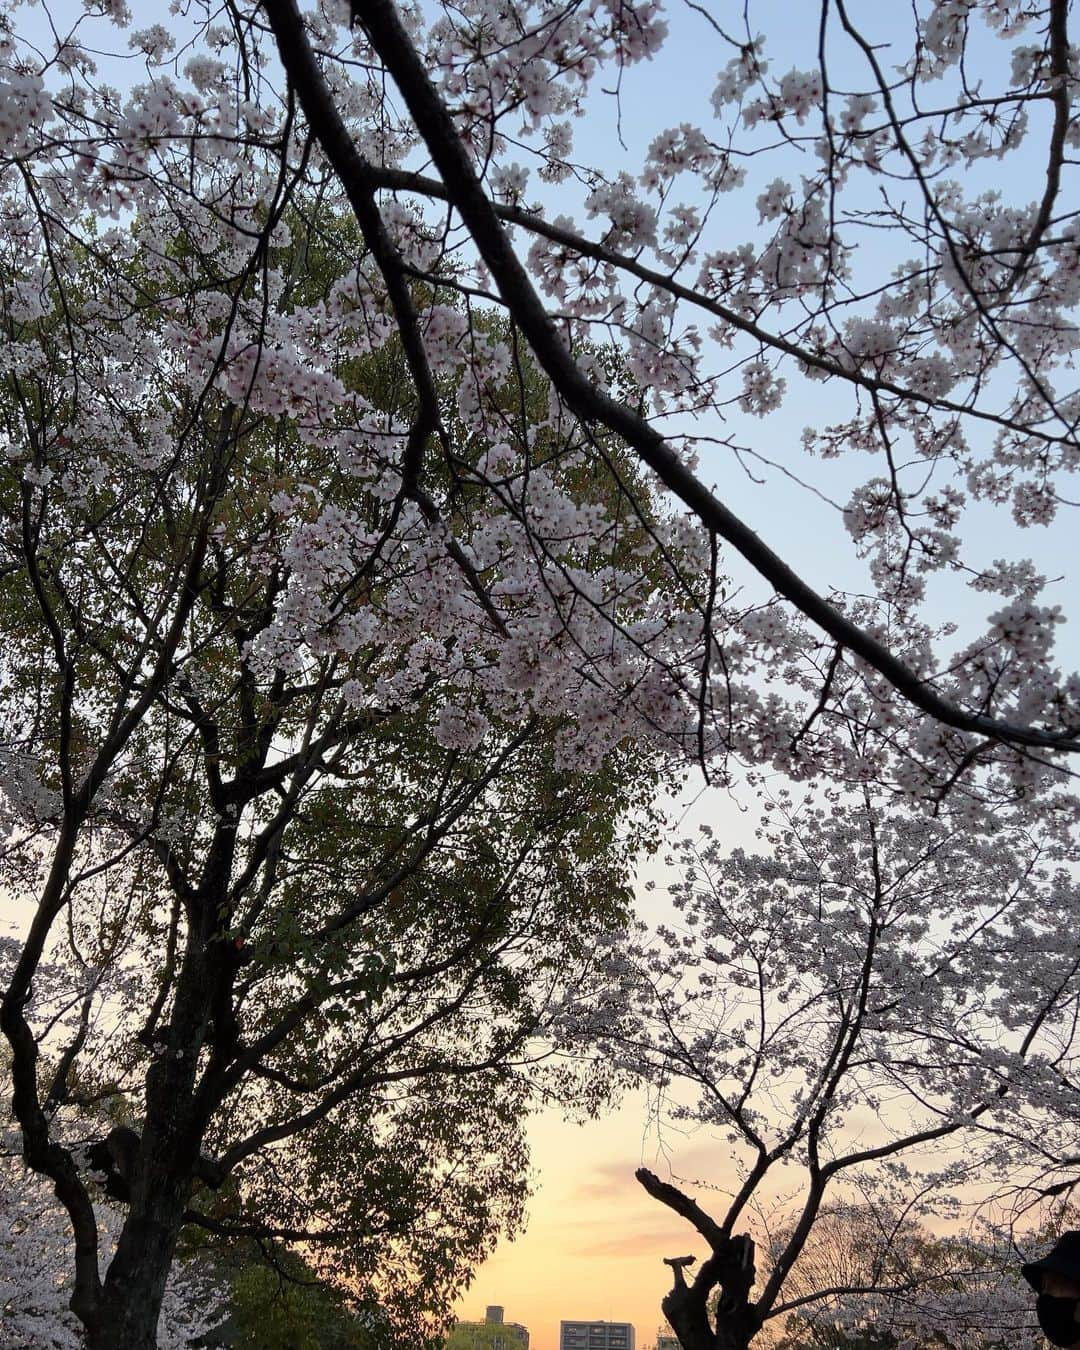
[594, 1245]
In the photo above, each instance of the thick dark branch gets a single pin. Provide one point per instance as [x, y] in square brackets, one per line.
[730, 1268]
[404, 180]
[388, 37]
[907, 1141]
[932, 1279]
[305, 760]
[355, 174]
[367, 1073]
[58, 1088]
[225, 1228]
[42, 1154]
[1061, 95]
[353, 170]
[686, 1208]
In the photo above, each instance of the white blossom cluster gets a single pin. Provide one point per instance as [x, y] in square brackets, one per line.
[191, 151]
[36, 1268]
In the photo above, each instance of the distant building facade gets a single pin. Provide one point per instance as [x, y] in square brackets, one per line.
[493, 1333]
[666, 1341]
[596, 1336]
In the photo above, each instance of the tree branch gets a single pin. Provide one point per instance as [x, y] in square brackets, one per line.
[389, 39]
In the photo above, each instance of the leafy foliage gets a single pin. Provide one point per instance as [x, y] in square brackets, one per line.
[342, 623]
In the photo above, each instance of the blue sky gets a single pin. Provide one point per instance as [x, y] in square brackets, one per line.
[596, 1243]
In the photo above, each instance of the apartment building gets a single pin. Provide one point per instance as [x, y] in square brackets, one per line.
[493, 1333]
[596, 1336]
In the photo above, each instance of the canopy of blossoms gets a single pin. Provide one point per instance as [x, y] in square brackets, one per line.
[942, 360]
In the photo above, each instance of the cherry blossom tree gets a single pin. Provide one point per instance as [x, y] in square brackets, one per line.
[876, 1007]
[331, 519]
[302, 905]
[918, 352]
[945, 343]
[308, 956]
[893, 1283]
[36, 1269]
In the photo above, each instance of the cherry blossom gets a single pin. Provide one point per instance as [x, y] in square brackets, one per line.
[879, 1008]
[332, 362]
[36, 1270]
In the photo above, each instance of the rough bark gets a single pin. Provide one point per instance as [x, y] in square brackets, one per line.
[165, 1164]
[132, 1293]
[735, 1321]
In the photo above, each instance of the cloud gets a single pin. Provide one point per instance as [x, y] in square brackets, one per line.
[614, 1218]
[703, 1169]
[657, 1241]
[607, 1180]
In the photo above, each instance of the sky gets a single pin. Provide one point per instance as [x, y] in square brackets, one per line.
[595, 1242]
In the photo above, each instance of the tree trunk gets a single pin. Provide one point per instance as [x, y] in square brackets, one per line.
[734, 1333]
[726, 1276]
[130, 1304]
[690, 1322]
[159, 1173]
